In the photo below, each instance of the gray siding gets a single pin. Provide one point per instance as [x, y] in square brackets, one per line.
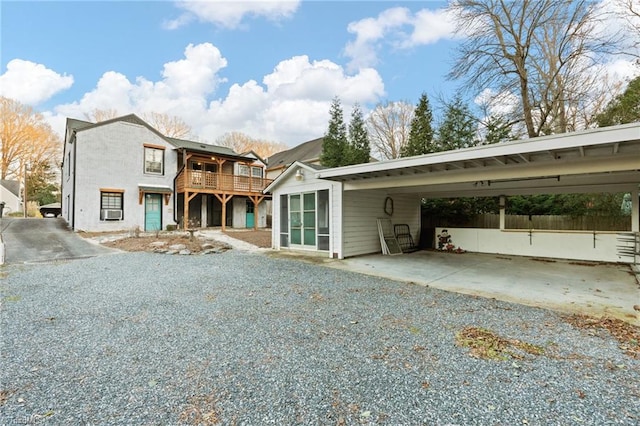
[112, 156]
[362, 208]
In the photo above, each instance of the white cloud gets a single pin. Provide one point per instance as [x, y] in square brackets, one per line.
[229, 14]
[396, 27]
[31, 83]
[290, 105]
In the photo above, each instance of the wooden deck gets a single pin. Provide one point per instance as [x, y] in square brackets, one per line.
[211, 182]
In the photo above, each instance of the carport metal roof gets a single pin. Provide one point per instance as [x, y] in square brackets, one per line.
[598, 160]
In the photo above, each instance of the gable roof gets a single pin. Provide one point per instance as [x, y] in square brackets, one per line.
[12, 186]
[305, 152]
[200, 147]
[312, 168]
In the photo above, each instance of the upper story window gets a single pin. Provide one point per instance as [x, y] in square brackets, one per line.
[256, 172]
[243, 170]
[153, 160]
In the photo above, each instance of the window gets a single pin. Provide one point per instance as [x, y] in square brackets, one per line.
[111, 207]
[256, 172]
[243, 170]
[153, 160]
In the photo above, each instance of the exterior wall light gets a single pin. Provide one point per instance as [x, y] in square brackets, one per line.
[299, 175]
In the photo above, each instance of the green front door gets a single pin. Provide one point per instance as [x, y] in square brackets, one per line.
[153, 212]
[250, 214]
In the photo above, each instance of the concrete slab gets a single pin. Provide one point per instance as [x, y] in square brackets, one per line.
[599, 289]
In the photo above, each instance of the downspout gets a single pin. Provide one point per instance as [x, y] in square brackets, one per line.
[75, 161]
[175, 196]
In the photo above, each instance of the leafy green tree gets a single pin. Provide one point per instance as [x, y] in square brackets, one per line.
[625, 108]
[458, 128]
[359, 148]
[335, 145]
[421, 133]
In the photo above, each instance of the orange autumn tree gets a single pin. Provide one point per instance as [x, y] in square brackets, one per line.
[25, 139]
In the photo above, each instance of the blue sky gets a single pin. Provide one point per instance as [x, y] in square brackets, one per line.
[268, 69]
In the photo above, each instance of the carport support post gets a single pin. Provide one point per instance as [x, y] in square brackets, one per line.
[503, 204]
[635, 211]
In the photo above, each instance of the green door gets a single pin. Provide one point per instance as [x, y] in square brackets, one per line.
[153, 212]
[302, 215]
[250, 214]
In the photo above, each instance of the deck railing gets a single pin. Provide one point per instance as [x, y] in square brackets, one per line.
[193, 180]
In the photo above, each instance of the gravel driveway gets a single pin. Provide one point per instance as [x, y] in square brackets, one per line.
[242, 338]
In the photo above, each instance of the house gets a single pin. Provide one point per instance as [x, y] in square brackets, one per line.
[10, 196]
[307, 152]
[334, 211]
[123, 174]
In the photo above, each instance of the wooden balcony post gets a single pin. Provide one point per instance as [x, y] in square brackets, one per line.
[223, 200]
[185, 211]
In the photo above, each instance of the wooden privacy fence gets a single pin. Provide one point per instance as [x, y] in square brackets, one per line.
[552, 222]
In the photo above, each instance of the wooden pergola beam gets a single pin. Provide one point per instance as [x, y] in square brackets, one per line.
[224, 198]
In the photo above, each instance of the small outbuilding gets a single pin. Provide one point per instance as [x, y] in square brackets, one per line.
[335, 211]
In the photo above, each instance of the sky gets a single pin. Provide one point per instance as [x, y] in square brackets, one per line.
[269, 69]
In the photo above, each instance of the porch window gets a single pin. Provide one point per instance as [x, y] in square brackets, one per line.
[243, 170]
[111, 205]
[284, 221]
[323, 219]
[153, 160]
[256, 172]
[304, 220]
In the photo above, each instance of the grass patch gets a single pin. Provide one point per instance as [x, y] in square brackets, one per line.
[485, 344]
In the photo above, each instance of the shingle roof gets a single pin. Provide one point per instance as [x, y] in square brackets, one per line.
[305, 152]
[205, 148]
[178, 143]
[12, 185]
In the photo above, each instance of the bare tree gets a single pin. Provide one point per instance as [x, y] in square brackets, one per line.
[97, 115]
[242, 143]
[389, 125]
[26, 138]
[542, 51]
[168, 125]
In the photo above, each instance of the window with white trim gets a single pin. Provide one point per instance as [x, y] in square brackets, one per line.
[153, 160]
[256, 172]
[243, 170]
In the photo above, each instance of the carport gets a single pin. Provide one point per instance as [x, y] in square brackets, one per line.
[597, 289]
[335, 210]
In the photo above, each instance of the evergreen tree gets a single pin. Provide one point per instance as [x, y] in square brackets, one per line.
[458, 129]
[497, 130]
[421, 133]
[335, 145]
[625, 108]
[358, 138]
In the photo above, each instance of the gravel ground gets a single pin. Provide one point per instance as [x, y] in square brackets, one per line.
[243, 338]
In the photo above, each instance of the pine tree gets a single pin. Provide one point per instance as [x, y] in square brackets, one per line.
[497, 130]
[359, 150]
[421, 133]
[335, 144]
[458, 129]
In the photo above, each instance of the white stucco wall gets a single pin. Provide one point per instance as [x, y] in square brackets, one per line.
[576, 245]
[112, 156]
[360, 214]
